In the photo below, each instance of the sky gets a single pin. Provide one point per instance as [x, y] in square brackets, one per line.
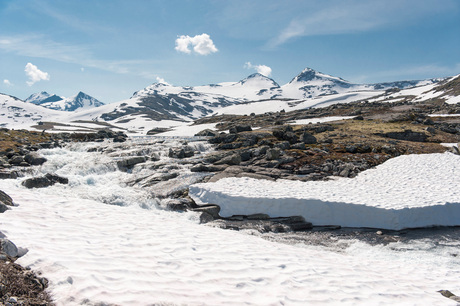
[110, 49]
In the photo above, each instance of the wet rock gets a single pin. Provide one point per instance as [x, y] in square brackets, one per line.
[16, 160]
[34, 159]
[44, 181]
[8, 248]
[8, 174]
[208, 212]
[6, 199]
[180, 153]
[130, 162]
[450, 295]
[179, 204]
[207, 168]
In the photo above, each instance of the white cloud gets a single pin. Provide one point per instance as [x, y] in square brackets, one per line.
[262, 69]
[7, 83]
[35, 74]
[162, 81]
[202, 44]
[82, 69]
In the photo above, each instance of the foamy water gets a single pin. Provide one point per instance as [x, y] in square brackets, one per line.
[103, 239]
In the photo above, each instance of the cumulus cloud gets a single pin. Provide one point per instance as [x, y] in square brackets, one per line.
[162, 81]
[201, 44]
[262, 69]
[7, 83]
[35, 74]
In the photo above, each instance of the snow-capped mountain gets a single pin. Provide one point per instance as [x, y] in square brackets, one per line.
[164, 101]
[79, 101]
[311, 83]
[164, 105]
[161, 101]
[43, 97]
[15, 113]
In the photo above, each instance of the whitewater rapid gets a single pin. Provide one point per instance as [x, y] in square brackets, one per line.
[104, 239]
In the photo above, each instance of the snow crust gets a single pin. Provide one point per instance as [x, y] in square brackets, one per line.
[404, 192]
[96, 253]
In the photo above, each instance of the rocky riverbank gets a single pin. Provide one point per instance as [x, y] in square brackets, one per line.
[18, 285]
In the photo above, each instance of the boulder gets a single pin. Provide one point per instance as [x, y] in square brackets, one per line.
[131, 161]
[34, 159]
[234, 159]
[6, 199]
[308, 138]
[407, 135]
[16, 160]
[210, 209]
[240, 128]
[44, 181]
[8, 248]
[273, 153]
[207, 132]
[180, 153]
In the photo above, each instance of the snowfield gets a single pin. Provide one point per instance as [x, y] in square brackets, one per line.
[96, 253]
[404, 192]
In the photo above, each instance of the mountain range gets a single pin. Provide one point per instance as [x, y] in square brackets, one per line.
[77, 102]
[162, 104]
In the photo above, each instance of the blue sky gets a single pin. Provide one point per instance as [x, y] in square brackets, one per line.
[109, 49]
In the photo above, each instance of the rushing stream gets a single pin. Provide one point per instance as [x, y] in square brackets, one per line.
[130, 252]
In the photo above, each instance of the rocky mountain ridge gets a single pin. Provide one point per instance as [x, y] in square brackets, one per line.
[52, 101]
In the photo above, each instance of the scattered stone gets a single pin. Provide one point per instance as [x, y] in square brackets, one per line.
[6, 199]
[272, 154]
[407, 135]
[308, 138]
[34, 159]
[240, 128]
[207, 132]
[234, 159]
[130, 162]
[44, 181]
[8, 248]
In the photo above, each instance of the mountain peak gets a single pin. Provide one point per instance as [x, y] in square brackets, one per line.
[258, 77]
[309, 74]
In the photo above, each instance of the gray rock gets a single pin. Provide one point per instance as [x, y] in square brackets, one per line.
[240, 128]
[208, 210]
[234, 159]
[273, 153]
[3, 208]
[130, 162]
[407, 135]
[7, 174]
[298, 146]
[207, 132]
[308, 138]
[8, 248]
[283, 145]
[34, 159]
[44, 181]
[6, 199]
[16, 160]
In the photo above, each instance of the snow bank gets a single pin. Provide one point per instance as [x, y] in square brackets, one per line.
[405, 192]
